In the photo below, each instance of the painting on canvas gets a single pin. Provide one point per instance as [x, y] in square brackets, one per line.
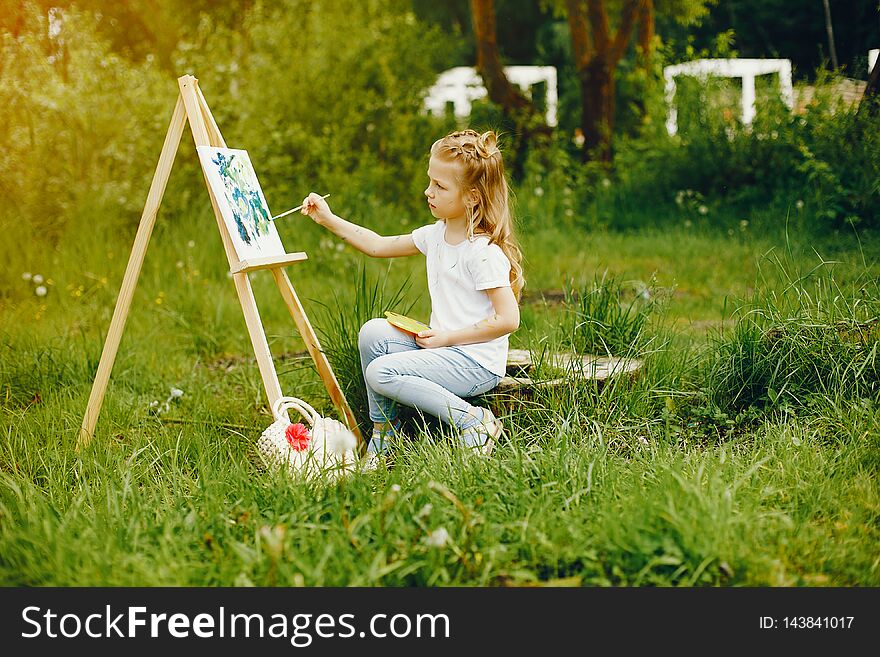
[241, 202]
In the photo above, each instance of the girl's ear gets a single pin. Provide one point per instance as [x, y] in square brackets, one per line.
[472, 198]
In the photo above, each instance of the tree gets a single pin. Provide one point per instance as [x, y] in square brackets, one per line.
[869, 97]
[489, 65]
[597, 51]
[601, 32]
[518, 109]
[646, 33]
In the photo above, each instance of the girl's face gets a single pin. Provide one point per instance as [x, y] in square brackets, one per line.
[445, 197]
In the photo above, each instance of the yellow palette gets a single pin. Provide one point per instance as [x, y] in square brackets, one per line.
[405, 323]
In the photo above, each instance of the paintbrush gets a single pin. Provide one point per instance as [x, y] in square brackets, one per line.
[298, 207]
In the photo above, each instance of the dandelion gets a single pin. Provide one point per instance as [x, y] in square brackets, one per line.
[679, 197]
[27, 276]
[41, 291]
[159, 408]
[703, 209]
[179, 264]
[569, 212]
[539, 191]
[438, 538]
[340, 246]
[799, 205]
[606, 182]
[191, 244]
[37, 279]
[395, 488]
[567, 191]
[743, 224]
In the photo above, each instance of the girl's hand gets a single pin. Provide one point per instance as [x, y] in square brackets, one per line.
[316, 209]
[432, 338]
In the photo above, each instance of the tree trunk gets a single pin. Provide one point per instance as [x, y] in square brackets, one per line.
[646, 34]
[501, 91]
[645, 51]
[597, 113]
[870, 96]
[596, 53]
[520, 111]
[830, 31]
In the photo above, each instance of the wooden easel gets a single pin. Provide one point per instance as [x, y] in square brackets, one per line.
[191, 106]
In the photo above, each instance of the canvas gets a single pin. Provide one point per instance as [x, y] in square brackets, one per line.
[234, 184]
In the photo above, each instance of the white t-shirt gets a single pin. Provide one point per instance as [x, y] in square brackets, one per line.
[458, 277]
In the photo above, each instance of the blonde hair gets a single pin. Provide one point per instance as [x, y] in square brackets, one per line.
[481, 171]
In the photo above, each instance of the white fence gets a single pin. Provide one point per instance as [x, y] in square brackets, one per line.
[746, 69]
[463, 85]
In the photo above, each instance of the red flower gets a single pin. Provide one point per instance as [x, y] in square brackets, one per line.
[298, 436]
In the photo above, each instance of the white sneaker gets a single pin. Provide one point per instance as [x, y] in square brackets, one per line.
[370, 462]
[491, 428]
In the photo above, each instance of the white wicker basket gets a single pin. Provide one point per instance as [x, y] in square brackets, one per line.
[330, 451]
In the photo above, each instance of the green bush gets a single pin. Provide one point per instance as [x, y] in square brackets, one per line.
[825, 158]
[80, 131]
[820, 165]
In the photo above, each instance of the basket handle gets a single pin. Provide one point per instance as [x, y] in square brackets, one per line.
[283, 403]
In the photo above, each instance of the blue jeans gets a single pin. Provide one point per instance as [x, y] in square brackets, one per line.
[396, 370]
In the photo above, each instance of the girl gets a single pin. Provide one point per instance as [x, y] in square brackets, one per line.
[474, 279]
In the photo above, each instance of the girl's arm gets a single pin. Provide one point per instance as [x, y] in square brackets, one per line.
[363, 239]
[505, 320]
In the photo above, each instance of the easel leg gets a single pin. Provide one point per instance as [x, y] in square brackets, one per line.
[132, 272]
[314, 348]
[258, 336]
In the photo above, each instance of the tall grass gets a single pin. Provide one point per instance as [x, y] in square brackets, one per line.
[609, 316]
[815, 339]
[341, 321]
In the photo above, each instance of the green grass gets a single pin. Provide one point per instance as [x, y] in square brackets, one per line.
[641, 482]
